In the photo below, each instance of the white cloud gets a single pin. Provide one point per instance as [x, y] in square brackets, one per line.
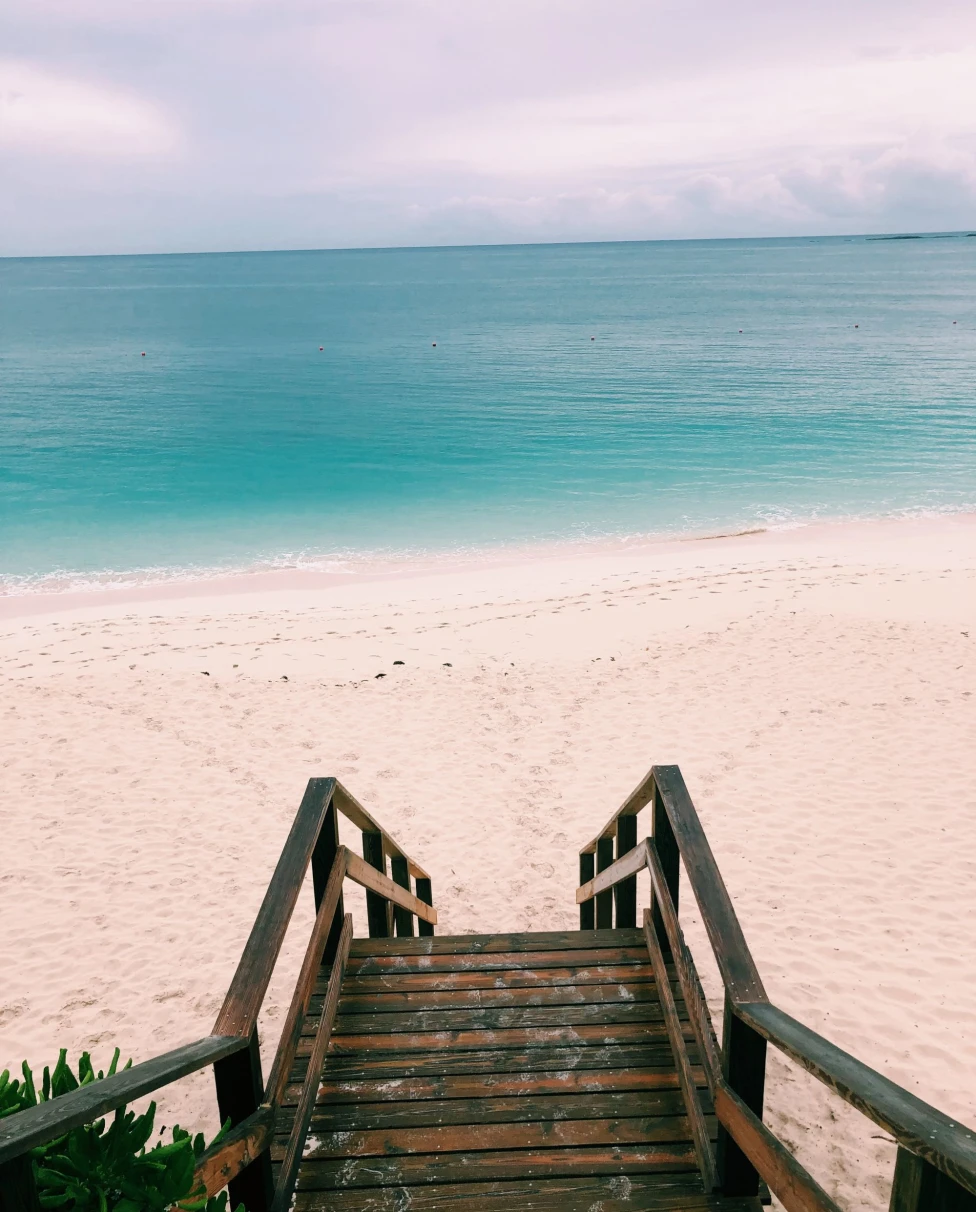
[41, 112]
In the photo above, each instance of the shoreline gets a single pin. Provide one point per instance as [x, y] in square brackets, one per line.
[838, 535]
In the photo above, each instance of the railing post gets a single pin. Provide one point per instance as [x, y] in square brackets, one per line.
[323, 856]
[744, 1068]
[18, 1191]
[378, 908]
[919, 1187]
[402, 918]
[240, 1090]
[587, 908]
[604, 900]
[625, 892]
[670, 856]
[424, 893]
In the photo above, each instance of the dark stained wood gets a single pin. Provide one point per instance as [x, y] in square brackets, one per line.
[489, 962]
[587, 909]
[305, 985]
[489, 944]
[632, 1193]
[625, 893]
[614, 874]
[353, 811]
[515, 1060]
[744, 1072]
[509, 1038]
[459, 1138]
[493, 1020]
[414, 1169]
[239, 1012]
[919, 1187]
[402, 918]
[604, 900]
[240, 1090]
[689, 1091]
[924, 1131]
[519, 1108]
[639, 798]
[631, 991]
[295, 1148]
[527, 978]
[486, 1085]
[323, 857]
[787, 1179]
[735, 962]
[684, 966]
[47, 1121]
[382, 886]
[234, 1152]
[425, 894]
[669, 858]
[379, 911]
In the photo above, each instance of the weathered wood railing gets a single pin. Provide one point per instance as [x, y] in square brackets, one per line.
[242, 1159]
[935, 1170]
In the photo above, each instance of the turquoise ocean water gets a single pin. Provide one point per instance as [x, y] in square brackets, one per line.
[575, 391]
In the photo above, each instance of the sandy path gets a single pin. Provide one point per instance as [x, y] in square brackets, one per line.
[816, 689]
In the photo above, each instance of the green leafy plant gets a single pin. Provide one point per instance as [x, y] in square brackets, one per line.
[97, 1169]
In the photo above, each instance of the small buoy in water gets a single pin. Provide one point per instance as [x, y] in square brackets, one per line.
[143, 353]
[740, 330]
[321, 347]
[857, 326]
[953, 321]
[433, 344]
[592, 338]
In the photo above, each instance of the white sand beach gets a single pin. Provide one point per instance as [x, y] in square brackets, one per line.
[815, 686]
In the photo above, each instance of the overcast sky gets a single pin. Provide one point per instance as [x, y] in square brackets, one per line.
[164, 125]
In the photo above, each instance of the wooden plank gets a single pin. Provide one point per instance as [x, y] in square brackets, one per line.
[467, 1138]
[744, 1071]
[239, 1013]
[402, 918]
[924, 1131]
[414, 1169]
[787, 1179]
[509, 1038]
[353, 811]
[478, 962]
[323, 859]
[492, 1060]
[295, 1150]
[424, 893]
[304, 986]
[625, 867]
[527, 978]
[587, 908]
[502, 1019]
[374, 881]
[240, 1091]
[639, 798]
[47, 1121]
[379, 912]
[355, 1002]
[689, 1091]
[684, 967]
[669, 857]
[220, 1164]
[919, 1187]
[500, 1084]
[489, 944]
[631, 1193]
[518, 1108]
[735, 962]
[625, 893]
[604, 900]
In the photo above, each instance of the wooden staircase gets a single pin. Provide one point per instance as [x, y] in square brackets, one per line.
[501, 1071]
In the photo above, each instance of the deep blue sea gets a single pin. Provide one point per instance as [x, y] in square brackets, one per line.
[294, 407]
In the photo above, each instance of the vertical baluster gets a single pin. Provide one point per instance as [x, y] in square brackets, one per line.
[587, 908]
[604, 900]
[919, 1187]
[240, 1089]
[402, 918]
[744, 1068]
[424, 893]
[18, 1191]
[378, 908]
[323, 856]
[670, 856]
[625, 892]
